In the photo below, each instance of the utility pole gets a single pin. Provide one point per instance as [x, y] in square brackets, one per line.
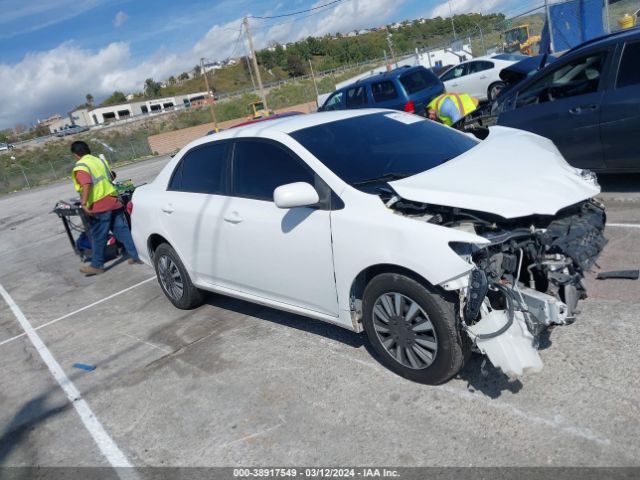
[453, 25]
[313, 76]
[206, 82]
[481, 39]
[390, 43]
[255, 63]
[253, 82]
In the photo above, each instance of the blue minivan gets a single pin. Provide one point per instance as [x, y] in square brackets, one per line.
[406, 88]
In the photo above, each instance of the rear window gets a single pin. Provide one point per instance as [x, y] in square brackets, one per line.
[629, 72]
[356, 97]
[418, 80]
[383, 91]
[201, 170]
[370, 146]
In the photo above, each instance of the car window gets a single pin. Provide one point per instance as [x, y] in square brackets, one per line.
[261, 167]
[201, 170]
[418, 80]
[629, 71]
[334, 102]
[356, 97]
[369, 146]
[577, 77]
[455, 72]
[383, 91]
[480, 66]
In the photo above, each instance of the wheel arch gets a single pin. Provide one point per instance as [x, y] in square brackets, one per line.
[154, 241]
[362, 279]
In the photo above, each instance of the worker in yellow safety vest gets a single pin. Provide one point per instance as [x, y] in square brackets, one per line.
[99, 199]
[448, 108]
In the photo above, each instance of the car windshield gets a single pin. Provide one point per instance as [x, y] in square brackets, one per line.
[382, 146]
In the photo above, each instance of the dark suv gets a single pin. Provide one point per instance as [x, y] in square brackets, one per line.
[406, 88]
[587, 102]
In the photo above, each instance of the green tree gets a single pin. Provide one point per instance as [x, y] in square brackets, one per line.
[151, 88]
[197, 70]
[115, 98]
[183, 76]
[295, 65]
[89, 98]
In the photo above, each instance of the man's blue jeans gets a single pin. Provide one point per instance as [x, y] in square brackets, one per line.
[100, 225]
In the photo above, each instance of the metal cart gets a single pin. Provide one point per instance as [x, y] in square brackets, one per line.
[76, 224]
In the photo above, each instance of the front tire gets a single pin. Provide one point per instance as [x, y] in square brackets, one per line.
[174, 279]
[412, 329]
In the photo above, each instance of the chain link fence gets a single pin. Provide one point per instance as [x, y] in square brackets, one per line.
[29, 168]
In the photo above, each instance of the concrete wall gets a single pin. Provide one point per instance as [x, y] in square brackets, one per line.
[170, 142]
[60, 124]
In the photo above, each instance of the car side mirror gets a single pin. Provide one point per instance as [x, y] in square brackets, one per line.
[299, 194]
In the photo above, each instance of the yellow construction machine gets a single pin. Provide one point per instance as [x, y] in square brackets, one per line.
[519, 39]
[257, 110]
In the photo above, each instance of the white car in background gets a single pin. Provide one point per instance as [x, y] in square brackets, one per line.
[432, 242]
[479, 77]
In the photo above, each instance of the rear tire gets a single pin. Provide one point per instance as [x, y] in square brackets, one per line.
[413, 329]
[494, 90]
[174, 279]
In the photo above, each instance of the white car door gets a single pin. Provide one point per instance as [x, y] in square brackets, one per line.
[192, 206]
[478, 78]
[284, 255]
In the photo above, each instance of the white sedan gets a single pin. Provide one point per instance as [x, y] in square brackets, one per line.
[432, 242]
[479, 77]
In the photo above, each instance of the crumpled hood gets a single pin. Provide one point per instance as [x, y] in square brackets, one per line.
[512, 174]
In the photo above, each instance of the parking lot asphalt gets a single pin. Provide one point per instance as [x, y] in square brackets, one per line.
[232, 383]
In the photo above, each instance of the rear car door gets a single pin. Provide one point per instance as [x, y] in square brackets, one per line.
[278, 254]
[563, 104]
[192, 206]
[477, 80]
[620, 118]
[385, 95]
[356, 97]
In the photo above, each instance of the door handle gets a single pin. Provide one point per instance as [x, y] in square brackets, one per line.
[582, 109]
[233, 217]
[168, 208]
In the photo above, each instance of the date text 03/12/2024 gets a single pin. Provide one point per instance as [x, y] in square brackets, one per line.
[241, 473]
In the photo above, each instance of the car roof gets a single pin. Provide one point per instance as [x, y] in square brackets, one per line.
[396, 72]
[289, 124]
[616, 37]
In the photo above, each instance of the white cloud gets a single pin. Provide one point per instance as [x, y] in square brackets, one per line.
[56, 80]
[466, 6]
[119, 19]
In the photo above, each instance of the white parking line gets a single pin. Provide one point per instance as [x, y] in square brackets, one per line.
[624, 225]
[51, 322]
[105, 443]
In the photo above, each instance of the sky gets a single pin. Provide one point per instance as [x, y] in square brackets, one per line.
[54, 52]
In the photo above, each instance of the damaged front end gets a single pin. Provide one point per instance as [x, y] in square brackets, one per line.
[526, 280]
